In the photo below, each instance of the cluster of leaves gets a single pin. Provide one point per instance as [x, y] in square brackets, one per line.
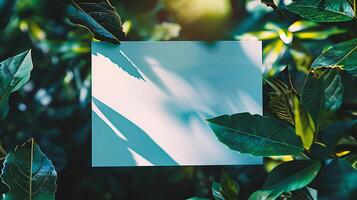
[27, 173]
[306, 125]
[54, 105]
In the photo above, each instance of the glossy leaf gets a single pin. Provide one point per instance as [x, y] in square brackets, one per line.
[226, 190]
[29, 174]
[323, 11]
[100, 17]
[14, 73]
[304, 125]
[256, 135]
[343, 55]
[322, 94]
[337, 180]
[216, 191]
[286, 177]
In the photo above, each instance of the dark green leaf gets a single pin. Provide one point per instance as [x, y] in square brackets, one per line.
[217, 191]
[226, 190]
[319, 151]
[256, 135]
[333, 133]
[286, 177]
[348, 143]
[305, 193]
[323, 10]
[29, 174]
[337, 181]
[342, 55]
[14, 73]
[197, 198]
[230, 188]
[322, 95]
[100, 17]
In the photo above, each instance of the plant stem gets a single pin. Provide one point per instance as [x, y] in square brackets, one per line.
[355, 7]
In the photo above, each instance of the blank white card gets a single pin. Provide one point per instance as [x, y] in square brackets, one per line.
[150, 100]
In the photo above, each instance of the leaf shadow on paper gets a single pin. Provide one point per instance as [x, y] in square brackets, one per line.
[114, 151]
[117, 56]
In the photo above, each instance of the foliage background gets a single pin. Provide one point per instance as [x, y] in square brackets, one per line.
[54, 106]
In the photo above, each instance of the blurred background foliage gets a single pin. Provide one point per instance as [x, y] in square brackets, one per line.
[54, 106]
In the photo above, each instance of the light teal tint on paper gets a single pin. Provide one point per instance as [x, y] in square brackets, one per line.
[198, 81]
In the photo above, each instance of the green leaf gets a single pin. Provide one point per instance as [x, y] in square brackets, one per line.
[100, 17]
[304, 125]
[337, 180]
[29, 174]
[323, 10]
[343, 55]
[256, 135]
[197, 198]
[303, 29]
[226, 190]
[230, 188]
[281, 101]
[305, 193]
[273, 52]
[319, 151]
[348, 143]
[14, 73]
[322, 95]
[286, 177]
[334, 133]
[217, 191]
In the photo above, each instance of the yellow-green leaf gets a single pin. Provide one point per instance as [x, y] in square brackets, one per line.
[304, 125]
